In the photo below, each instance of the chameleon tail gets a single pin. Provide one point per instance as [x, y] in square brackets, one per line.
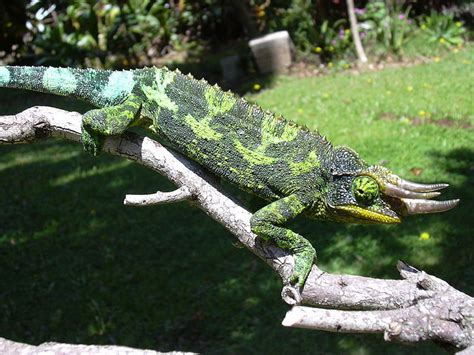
[100, 88]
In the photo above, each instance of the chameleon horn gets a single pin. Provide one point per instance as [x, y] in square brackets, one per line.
[395, 191]
[413, 186]
[426, 206]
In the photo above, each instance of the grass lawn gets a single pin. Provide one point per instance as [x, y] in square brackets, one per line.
[78, 266]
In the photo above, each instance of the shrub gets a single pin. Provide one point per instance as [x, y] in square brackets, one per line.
[385, 28]
[443, 28]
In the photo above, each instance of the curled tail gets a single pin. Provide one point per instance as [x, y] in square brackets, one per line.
[100, 88]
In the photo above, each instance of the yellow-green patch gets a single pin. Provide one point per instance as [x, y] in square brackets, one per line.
[157, 92]
[219, 102]
[269, 131]
[202, 129]
[305, 166]
[253, 157]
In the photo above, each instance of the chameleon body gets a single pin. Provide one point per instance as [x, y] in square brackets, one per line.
[298, 171]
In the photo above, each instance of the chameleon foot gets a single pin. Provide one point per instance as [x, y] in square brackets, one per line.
[92, 143]
[304, 259]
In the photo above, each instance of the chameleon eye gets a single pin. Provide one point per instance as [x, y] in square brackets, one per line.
[365, 189]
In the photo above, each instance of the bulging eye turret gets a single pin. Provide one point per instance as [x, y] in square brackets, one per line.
[365, 190]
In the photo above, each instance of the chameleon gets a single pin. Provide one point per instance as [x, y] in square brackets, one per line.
[296, 170]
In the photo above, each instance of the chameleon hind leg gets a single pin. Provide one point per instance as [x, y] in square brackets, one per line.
[266, 223]
[109, 121]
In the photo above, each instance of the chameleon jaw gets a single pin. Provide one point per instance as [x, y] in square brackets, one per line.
[363, 215]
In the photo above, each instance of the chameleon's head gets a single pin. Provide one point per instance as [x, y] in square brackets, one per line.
[358, 193]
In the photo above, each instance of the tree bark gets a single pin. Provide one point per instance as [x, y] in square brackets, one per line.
[418, 307]
[12, 347]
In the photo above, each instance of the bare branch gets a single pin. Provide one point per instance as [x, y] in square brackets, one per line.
[12, 347]
[419, 307]
[159, 197]
[336, 321]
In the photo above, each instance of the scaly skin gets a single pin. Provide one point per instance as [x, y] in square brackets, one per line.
[298, 170]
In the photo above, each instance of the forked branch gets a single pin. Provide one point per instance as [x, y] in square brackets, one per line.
[419, 307]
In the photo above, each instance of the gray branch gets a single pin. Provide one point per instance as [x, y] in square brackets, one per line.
[12, 347]
[418, 307]
[158, 197]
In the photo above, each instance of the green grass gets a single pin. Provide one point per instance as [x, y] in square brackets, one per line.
[78, 266]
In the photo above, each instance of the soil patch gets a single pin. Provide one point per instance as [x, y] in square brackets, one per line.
[418, 121]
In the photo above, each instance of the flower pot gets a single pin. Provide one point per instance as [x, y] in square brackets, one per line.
[272, 52]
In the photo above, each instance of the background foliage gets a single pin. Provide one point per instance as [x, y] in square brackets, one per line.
[130, 33]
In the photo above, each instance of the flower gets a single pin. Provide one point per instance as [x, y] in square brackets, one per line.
[256, 87]
[401, 16]
[455, 50]
[458, 24]
[317, 49]
[442, 40]
[436, 59]
[421, 113]
[341, 33]
[359, 11]
[405, 120]
[424, 236]
[409, 88]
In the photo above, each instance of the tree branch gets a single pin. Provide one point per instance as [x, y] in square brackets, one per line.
[13, 347]
[419, 307]
[177, 195]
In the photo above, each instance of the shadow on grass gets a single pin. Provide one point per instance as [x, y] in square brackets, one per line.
[78, 266]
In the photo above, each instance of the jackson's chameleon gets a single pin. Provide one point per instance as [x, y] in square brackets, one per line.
[298, 171]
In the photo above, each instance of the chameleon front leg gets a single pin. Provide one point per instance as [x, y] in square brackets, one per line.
[266, 224]
[108, 121]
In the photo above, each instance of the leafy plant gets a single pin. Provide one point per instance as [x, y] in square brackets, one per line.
[388, 26]
[443, 28]
[106, 33]
[333, 40]
[298, 20]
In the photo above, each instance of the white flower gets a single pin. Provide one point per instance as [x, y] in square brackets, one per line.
[42, 13]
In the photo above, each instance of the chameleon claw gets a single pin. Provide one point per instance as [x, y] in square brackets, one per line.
[291, 295]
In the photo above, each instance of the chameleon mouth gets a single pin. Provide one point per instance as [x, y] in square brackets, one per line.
[363, 215]
[416, 198]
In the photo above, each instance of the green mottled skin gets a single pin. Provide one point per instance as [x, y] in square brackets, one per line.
[297, 170]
